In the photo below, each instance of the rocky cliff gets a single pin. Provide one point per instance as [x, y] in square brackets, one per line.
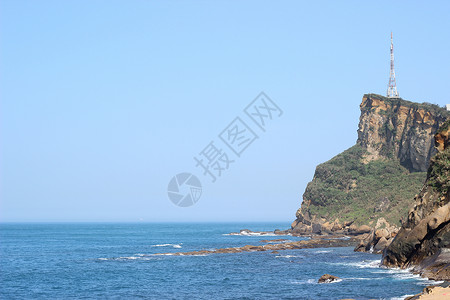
[373, 182]
[395, 128]
[424, 239]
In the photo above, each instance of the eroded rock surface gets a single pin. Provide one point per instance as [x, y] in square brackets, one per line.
[378, 177]
[424, 239]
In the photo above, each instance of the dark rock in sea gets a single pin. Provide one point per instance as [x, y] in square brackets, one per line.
[327, 278]
[303, 244]
[273, 241]
[437, 266]
[281, 232]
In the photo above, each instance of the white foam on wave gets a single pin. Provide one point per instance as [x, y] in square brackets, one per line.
[289, 256]
[385, 270]
[168, 245]
[373, 264]
[406, 274]
[323, 251]
[334, 281]
[361, 278]
[246, 233]
[314, 281]
[308, 281]
[251, 234]
[429, 282]
[401, 297]
[122, 258]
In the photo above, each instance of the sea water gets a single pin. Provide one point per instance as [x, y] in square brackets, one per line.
[117, 261]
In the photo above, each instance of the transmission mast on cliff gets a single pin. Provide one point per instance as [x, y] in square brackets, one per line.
[392, 86]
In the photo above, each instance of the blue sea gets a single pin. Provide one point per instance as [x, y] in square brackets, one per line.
[116, 261]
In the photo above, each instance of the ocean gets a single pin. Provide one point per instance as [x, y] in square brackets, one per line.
[116, 261]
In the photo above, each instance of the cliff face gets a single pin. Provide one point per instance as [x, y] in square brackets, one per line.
[399, 129]
[424, 239]
[375, 180]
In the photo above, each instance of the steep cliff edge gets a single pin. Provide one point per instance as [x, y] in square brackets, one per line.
[424, 239]
[395, 128]
[373, 182]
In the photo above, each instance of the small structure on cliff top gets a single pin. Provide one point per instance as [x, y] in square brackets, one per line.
[392, 86]
[448, 106]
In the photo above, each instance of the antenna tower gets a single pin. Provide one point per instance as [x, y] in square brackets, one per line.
[392, 86]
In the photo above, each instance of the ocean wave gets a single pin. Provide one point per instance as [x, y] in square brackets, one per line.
[401, 297]
[373, 264]
[254, 234]
[343, 238]
[308, 281]
[323, 251]
[386, 270]
[429, 282]
[362, 278]
[124, 258]
[168, 245]
[289, 256]
[314, 281]
[405, 276]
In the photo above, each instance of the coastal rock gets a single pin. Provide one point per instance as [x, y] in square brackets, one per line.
[380, 245]
[366, 243]
[432, 292]
[327, 278]
[303, 244]
[261, 233]
[391, 126]
[394, 147]
[273, 241]
[326, 227]
[363, 229]
[378, 238]
[382, 233]
[424, 238]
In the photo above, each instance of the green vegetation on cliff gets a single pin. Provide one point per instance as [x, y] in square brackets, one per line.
[439, 172]
[397, 102]
[378, 177]
[347, 188]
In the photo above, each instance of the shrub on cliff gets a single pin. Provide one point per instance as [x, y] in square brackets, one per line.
[347, 188]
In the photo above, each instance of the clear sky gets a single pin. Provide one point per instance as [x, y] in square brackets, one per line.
[103, 102]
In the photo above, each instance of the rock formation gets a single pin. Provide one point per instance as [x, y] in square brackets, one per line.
[399, 129]
[376, 179]
[378, 239]
[424, 239]
[327, 278]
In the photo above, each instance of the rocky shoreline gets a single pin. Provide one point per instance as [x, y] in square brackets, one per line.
[370, 241]
[438, 292]
[277, 245]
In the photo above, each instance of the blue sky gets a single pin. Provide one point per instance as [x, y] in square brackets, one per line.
[102, 102]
